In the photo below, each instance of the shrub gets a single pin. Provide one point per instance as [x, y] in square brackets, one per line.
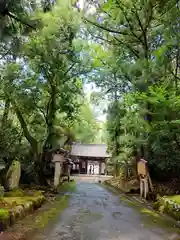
[4, 214]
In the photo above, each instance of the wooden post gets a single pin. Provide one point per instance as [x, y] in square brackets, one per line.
[146, 187]
[145, 180]
[141, 187]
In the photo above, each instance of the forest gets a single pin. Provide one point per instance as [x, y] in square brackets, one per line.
[49, 51]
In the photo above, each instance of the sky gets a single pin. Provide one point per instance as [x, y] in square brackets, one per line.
[89, 8]
[91, 87]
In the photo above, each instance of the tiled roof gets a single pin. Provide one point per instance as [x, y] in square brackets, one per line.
[89, 150]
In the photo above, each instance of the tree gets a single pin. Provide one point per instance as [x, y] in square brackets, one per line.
[86, 127]
[143, 42]
[46, 85]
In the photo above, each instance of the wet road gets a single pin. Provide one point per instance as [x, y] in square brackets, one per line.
[94, 213]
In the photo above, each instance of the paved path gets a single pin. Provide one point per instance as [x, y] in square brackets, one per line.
[95, 213]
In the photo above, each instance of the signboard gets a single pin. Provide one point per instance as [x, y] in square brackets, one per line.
[142, 167]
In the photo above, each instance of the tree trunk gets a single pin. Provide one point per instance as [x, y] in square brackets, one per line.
[37, 155]
[50, 118]
[39, 170]
[5, 113]
[51, 114]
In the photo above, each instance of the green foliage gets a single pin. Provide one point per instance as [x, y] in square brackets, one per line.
[169, 205]
[4, 214]
[139, 71]
[41, 84]
[129, 49]
[85, 128]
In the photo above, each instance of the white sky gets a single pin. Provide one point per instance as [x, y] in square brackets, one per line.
[89, 8]
[91, 87]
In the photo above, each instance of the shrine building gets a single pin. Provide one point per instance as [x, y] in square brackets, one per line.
[89, 158]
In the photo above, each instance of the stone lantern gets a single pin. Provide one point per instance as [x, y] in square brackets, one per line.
[58, 159]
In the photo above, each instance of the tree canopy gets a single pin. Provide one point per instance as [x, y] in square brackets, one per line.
[129, 49]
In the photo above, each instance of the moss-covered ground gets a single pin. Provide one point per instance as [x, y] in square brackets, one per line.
[123, 186]
[55, 208]
[40, 218]
[18, 197]
[150, 217]
[67, 187]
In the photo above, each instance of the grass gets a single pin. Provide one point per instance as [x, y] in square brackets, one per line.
[58, 206]
[50, 210]
[15, 193]
[67, 187]
[60, 203]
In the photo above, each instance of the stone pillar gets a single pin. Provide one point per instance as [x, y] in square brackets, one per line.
[57, 174]
[13, 175]
[57, 159]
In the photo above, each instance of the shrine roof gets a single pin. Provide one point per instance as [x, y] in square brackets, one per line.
[90, 150]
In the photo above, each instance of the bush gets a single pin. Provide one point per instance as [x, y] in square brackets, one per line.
[4, 214]
[169, 205]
